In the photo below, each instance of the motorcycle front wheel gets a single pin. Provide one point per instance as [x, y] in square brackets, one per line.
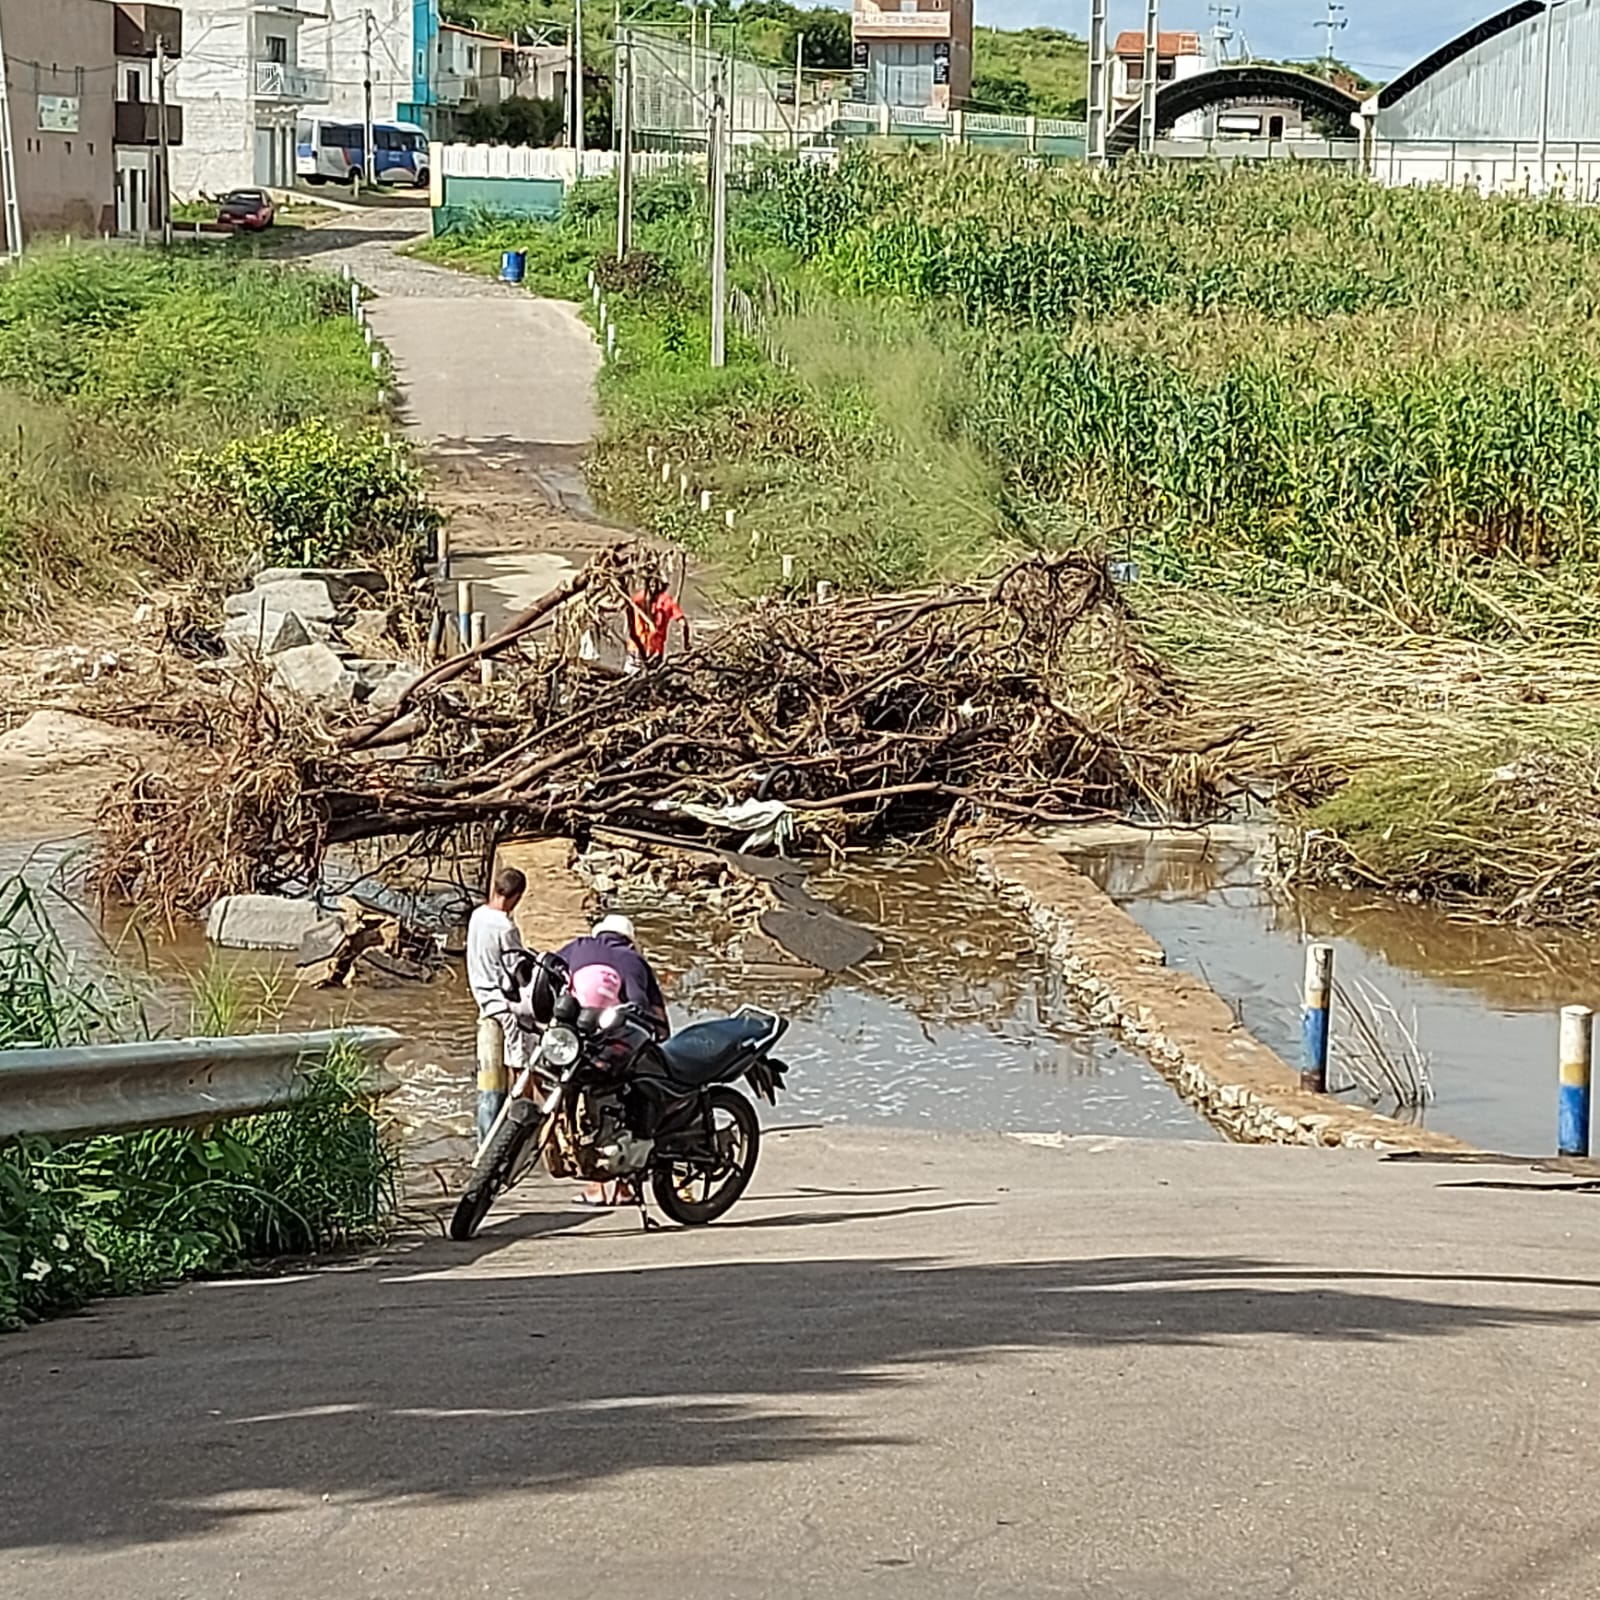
[492, 1175]
[693, 1194]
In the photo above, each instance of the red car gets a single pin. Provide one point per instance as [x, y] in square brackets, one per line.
[250, 209]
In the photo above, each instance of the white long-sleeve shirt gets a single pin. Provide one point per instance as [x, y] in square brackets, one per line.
[490, 933]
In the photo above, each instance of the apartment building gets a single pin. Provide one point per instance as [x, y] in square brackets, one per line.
[246, 81]
[912, 52]
[424, 70]
[80, 77]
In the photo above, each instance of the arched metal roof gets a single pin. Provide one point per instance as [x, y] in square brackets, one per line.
[1226, 85]
[1511, 17]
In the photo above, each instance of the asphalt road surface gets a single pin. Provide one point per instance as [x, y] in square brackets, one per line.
[906, 1368]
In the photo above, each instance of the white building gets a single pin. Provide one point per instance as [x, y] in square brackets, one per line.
[1178, 56]
[339, 37]
[1511, 104]
[244, 85]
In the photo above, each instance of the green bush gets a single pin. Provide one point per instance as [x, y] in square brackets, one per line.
[308, 494]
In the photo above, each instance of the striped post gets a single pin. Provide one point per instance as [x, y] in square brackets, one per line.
[441, 545]
[1314, 1019]
[464, 612]
[1577, 1042]
[493, 1079]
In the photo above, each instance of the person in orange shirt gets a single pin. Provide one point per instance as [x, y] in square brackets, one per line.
[650, 619]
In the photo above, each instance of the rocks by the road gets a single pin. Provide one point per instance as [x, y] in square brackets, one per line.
[367, 632]
[380, 684]
[339, 582]
[269, 633]
[315, 672]
[306, 598]
[262, 922]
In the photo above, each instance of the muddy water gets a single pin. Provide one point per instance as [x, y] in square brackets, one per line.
[1480, 999]
[958, 1023]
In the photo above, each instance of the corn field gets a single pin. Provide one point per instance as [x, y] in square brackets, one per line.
[1377, 386]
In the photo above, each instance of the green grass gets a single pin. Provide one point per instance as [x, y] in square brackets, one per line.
[114, 362]
[124, 1213]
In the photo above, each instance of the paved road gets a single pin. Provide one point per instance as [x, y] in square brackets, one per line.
[909, 1368]
[498, 385]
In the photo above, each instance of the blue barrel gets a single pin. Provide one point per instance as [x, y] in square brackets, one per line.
[513, 264]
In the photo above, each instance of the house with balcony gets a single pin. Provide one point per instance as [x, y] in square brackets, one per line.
[1178, 56]
[80, 80]
[913, 53]
[146, 40]
[243, 88]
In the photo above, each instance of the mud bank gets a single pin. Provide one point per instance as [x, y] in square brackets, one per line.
[1187, 1031]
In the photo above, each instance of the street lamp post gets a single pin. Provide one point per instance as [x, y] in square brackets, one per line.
[1544, 89]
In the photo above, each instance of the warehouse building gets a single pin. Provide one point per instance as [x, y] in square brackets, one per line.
[1513, 103]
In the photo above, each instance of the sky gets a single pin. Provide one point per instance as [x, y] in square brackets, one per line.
[1383, 37]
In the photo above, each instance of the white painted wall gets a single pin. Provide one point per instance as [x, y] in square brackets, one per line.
[340, 41]
[213, 85]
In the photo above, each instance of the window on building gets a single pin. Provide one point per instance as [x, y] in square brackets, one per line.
[472, 58]
[278, 48]
[1166, 71]
[134, 92]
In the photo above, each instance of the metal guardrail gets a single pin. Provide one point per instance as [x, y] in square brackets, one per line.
[172, 1083]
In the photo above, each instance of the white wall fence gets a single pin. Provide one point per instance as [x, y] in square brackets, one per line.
[525, 161]
[1569, 169]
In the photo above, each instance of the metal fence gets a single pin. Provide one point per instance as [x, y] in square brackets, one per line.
[173, 1083]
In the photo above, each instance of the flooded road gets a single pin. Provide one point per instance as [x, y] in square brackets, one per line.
[958, 1022]
[1481, 999]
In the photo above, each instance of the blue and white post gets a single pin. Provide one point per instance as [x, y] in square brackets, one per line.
[464, 612]
[1577, 1045]
[1314, 1019]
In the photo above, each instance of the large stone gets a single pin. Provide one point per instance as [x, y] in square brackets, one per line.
[262, 921]
[380, 684]
[269, 633]
[340, 582]
[315, 672]
[308, 598]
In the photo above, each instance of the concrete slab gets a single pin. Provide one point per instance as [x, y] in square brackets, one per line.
[906, 1368]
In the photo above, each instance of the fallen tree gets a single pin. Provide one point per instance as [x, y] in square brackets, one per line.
[904, 715]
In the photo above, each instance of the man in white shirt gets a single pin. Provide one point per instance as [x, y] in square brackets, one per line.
[490, 933]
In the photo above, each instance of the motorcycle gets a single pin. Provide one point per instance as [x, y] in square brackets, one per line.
[603, 1099]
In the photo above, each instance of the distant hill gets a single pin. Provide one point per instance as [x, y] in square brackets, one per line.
[1028, 71]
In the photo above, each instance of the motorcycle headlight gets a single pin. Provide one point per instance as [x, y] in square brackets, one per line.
[560, 1047]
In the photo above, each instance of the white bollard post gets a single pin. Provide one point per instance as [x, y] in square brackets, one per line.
[666, 472]
[650, 454]
[727, 520]
[683, 483]
[377, 361]
[788, 569]
[464, 612]
[705, 499]
[480, 632]
[824, 591]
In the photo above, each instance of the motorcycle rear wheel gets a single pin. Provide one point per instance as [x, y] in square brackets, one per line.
[491, 1176]
[674, 1182]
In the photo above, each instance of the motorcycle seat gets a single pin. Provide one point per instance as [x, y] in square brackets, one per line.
[712, 1052]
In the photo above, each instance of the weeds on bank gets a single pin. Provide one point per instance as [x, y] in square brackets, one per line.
[117, 364]
[124, 1213]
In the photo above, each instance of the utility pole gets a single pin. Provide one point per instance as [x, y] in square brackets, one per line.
[165, 179]
[577, 87]
[624, 145]
[8, 167]
[1544, 90]
[1098, 85]
[1147, 87]
[718, 157]
[799, 70]
[1221, 32]
[1330, 25]
[369, 147]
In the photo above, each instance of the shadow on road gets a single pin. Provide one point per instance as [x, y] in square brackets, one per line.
[441, 1376]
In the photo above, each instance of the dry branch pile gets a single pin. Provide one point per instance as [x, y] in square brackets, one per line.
[897, 715]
